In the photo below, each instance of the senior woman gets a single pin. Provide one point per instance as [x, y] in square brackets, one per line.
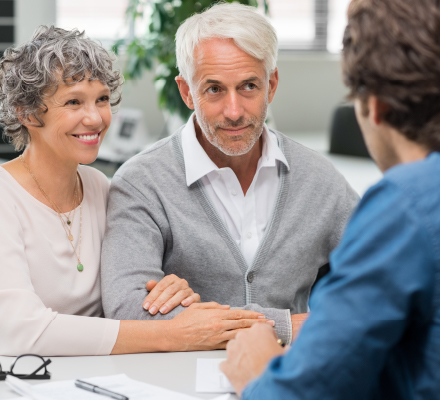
[56, 98]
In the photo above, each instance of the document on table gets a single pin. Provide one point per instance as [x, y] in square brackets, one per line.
[66, 390]
[209, 378]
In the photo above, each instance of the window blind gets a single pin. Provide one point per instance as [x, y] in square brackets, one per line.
[6, 24]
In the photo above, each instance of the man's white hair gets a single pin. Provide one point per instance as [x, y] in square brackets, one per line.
[249, 30]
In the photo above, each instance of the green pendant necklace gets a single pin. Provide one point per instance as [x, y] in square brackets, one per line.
[66, 225]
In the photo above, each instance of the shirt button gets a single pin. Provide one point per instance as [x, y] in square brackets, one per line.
[234, 193]
[249, 235]
[250, 277]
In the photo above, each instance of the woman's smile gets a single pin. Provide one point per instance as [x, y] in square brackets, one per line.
[88, 138]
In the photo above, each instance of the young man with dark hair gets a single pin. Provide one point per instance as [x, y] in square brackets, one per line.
[374, 329]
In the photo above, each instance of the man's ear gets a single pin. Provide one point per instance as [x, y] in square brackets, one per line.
[377, 109]
[185, 92]
[273, 84]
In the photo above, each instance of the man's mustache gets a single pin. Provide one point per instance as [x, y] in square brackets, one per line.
[241, 122]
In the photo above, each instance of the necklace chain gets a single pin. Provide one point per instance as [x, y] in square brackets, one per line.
[67, 226]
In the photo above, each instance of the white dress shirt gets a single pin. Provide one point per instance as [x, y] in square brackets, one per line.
[246, 216]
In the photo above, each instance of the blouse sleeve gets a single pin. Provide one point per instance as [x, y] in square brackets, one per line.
[27, 326]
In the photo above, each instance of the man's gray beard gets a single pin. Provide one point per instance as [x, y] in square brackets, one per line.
[212, 138]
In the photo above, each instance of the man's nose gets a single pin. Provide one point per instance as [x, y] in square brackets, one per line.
[92, 117]
[233, 107]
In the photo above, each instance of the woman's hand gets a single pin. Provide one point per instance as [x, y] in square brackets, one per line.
[168, 294]
[209, 326]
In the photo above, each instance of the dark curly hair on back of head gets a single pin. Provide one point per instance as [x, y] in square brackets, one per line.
[392, 51]
[32, 71]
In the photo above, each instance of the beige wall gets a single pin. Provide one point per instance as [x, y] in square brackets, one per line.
[309, 90]
[29, 14]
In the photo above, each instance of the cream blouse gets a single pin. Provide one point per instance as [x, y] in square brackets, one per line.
[47, 306]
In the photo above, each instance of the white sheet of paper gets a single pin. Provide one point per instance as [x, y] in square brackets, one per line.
[135, 390]
[209, 378]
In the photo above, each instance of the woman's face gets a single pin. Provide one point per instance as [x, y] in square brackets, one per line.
[75, 123]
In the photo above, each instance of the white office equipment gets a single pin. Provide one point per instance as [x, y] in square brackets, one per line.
[126, 136]
[209, 378]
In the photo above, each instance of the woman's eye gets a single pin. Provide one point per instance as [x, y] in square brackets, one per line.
[104, 98]
[73, 102]
[214, 89]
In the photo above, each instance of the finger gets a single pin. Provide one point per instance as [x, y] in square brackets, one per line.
[223, 366]
[242, 314]
[173, 302]
[222, 345]
[167, 295]
[147, 301]
[230, 335]
[245, 323]
[194, 298]
[210, 305]
[150, 285]
[158, 290]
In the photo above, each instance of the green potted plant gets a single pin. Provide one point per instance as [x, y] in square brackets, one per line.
[157, 46]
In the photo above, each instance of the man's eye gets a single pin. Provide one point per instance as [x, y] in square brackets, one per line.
[73, 102]
[214, 89]
[250, 86]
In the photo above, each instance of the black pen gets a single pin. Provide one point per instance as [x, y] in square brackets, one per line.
[99, 390]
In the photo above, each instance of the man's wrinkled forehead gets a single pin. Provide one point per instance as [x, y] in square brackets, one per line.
[218, 59]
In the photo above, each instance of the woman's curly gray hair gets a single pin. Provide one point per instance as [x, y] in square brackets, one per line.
[33, 70]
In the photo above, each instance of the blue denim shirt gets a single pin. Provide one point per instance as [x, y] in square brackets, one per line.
[374, 328]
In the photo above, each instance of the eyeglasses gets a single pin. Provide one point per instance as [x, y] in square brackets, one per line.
[32, 375]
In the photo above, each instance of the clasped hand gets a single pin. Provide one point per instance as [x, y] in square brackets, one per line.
[166, 295]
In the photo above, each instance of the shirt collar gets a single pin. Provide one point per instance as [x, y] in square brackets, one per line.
[198, 164]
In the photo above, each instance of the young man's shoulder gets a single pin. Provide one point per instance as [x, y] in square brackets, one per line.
[418, 179]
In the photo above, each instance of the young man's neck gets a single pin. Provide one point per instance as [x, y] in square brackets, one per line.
[406, 150]
[244, 166]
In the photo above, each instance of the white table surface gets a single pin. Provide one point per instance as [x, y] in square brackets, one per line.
[173, 371]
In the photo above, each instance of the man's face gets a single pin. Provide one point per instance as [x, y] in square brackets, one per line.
[230, 93]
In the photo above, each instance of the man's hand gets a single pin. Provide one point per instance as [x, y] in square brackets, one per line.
[249, 354]
[168, 294]
[209, 326]
[297, 323]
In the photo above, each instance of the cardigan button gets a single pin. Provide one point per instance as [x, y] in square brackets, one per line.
[250, 277]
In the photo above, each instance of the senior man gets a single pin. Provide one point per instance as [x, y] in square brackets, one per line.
[374, 329]
[247, 216]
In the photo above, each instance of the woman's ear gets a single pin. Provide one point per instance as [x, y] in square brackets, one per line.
[29, 120]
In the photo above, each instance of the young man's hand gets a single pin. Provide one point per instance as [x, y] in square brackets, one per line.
[248, 355]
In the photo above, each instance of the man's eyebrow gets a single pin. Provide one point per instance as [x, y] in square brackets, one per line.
[249, 80]
[212, 81]
[252, 79]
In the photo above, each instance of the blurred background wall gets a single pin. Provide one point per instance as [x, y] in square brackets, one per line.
[306, 106]
[310, 82]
